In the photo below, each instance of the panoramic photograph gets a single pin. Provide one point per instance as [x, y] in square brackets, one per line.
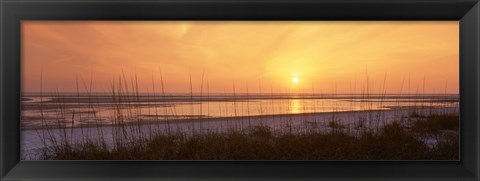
[240, 90]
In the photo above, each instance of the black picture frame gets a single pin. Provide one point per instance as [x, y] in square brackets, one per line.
[12, 12]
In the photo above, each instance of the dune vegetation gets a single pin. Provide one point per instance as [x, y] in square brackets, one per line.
[421, 135]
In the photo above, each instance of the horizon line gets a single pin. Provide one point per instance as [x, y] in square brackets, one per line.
[243, 93]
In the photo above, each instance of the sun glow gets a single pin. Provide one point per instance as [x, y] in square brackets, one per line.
[295, 80]
[280, 55]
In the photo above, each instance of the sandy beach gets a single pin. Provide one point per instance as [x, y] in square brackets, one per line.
[352, 121]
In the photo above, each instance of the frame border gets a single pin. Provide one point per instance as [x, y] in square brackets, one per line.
[12, 12]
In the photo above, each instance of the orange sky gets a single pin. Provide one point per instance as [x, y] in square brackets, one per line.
[334, 56]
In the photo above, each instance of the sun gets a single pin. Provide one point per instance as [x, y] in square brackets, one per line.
[295, 80]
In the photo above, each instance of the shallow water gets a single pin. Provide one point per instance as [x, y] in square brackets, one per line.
[72, 110]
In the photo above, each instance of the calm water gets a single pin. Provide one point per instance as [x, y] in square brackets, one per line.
[81, 109]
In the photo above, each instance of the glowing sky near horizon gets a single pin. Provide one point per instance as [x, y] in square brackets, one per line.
[410, 57]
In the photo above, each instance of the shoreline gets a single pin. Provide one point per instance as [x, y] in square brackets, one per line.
[266, 118]
[353, 121]
[240, 98]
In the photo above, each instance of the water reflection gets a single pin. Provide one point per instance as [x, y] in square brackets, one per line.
[295, 106]
[82, 112]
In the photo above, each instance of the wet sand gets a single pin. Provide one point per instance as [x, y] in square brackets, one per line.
[371, 115]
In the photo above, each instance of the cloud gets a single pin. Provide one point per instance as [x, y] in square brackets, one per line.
[270, 52]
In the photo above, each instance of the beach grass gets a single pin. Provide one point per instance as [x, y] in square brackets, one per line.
[436, 123]
[421, 135]
[391, 142]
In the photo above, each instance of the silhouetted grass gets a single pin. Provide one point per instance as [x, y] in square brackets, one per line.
[436, 123]
[377, 139]
[391, 142]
